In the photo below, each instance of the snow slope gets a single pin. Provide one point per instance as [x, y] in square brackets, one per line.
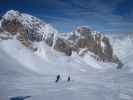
[43, 59]
[24, 72]
[123, 47]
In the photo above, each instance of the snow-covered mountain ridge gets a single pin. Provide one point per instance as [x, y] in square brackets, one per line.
[27, 28]
[84, 39]
[34, 34]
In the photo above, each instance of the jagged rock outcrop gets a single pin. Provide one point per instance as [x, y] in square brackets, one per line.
[83, 31]
[94, 42]
[13, 26]
[16, 28]
[62, 46]
[84, 38]
[29, 29]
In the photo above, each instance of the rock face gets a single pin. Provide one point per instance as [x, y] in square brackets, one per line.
[62, 46]
[83, 40]
[13, 26]
[29, 29]
[95, 42]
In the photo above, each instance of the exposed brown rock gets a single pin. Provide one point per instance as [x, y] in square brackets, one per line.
[12, 26]
[24, 40]
[92, 43]
[85, 31]
[16, 28]
[62, 46]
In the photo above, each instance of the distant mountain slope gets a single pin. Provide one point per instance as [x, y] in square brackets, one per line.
[42, 39]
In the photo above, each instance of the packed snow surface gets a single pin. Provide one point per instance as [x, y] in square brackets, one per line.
[24, 72]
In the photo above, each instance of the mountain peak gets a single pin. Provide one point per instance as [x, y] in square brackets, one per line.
[11, 15]
[16, 22]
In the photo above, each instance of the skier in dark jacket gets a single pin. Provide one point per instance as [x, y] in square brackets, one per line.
[69, 79]
[120, 65]
[57, 78]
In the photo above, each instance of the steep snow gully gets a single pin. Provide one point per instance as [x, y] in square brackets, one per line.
[23, 72]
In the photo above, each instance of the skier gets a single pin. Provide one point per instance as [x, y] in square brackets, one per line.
[57, 78]
[120, 65]
[69, 79]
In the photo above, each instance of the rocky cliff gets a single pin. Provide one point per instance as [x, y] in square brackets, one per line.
[29, 29]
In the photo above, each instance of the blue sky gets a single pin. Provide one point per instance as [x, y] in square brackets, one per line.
[65, 15]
